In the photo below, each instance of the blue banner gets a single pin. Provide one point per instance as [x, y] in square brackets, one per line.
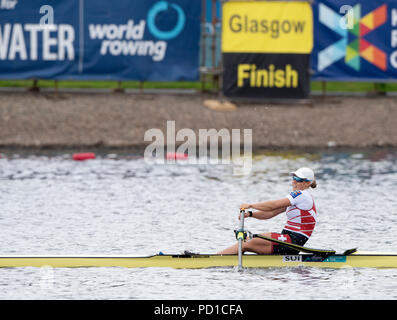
[151, 40]
[355, 40]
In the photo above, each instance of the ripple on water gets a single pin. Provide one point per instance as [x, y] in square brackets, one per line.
[122, 205]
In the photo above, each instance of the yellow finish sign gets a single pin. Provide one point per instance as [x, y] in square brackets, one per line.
[267, 27]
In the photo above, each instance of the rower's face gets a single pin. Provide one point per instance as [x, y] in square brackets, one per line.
[300, 185]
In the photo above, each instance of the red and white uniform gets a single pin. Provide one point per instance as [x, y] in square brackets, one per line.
[302, 213]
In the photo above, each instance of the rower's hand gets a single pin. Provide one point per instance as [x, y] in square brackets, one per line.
[246, 215]
[245, 206]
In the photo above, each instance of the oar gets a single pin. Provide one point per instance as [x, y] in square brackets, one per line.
[297, 247]
[240, 239]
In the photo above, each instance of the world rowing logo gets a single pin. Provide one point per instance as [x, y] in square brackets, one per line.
[169, 34]
[359, 48]
[130, 38]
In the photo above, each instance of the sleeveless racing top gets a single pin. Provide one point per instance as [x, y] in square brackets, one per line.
[302, 213]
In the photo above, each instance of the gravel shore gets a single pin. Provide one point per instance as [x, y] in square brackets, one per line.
[120, 120]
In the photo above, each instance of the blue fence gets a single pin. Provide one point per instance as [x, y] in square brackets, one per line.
[210, 54]
[159, 40]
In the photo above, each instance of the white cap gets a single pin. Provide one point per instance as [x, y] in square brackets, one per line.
[304, 173]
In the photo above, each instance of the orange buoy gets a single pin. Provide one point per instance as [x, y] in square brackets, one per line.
[83, 156]
[176, 156]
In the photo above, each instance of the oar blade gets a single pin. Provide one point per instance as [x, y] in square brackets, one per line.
[349, 251]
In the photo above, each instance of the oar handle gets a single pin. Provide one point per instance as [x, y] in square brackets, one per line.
[240, 239]
[240, 231]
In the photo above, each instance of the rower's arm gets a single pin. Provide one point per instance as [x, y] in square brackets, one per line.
[263, 215]
[271, 205]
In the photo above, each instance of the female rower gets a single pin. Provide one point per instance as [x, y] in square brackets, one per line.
[301, 214]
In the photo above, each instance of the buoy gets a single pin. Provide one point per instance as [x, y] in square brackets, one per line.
[176, 156]
[83, 156]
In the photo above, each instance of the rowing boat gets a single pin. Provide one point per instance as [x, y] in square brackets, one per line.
[304, 256]
[196, 261]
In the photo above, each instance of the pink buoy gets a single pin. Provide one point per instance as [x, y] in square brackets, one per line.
[176, 156]
[83, 156]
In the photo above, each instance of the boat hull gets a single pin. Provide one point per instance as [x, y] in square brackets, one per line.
[204, 261]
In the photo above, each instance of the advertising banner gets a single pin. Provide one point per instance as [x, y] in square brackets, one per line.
[267, 27]
[266, 75]
[151, 40]
[355, 40]
[266, 49]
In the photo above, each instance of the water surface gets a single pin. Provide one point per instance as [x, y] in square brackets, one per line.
[119, 204]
